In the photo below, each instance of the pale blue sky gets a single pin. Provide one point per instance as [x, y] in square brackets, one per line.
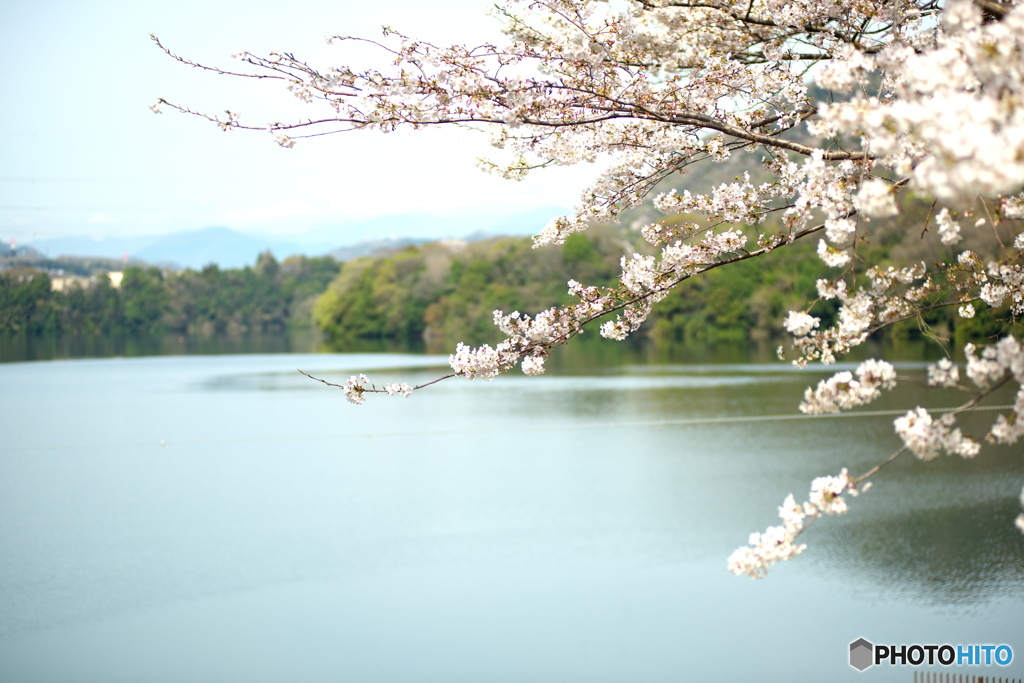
[84, 156]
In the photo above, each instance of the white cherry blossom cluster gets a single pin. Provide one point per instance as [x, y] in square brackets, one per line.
[398, 389]
[800, 324]
[894, 294]
[856, 316]
[1001, 362]
[738, 202]
[682, 258]
[953, 117]
[542, 328]
[995, 362]
[533, 365]
[639, 273]
[1013, 207]
[943, 374]
[777, 543]
[927, 437]
[630, 320]
[875, 199]
[1009, 430]
[846, 390]
[1005, 282]
[354, 388]
[658, 234]
[949, 229]
[823, 186]
[482, 362]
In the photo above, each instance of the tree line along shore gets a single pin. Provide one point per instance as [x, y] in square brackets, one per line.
[446, 291]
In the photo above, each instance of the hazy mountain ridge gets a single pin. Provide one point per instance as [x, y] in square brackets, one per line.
[230, 248]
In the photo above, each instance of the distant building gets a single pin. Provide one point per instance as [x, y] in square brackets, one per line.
[61, 282]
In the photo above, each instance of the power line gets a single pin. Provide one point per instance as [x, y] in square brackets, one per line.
[697, 421]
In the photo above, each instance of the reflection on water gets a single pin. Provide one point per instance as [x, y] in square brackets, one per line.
[224, 518]
[49, 347]
[41, 347]
[962, 554]
[587, 354]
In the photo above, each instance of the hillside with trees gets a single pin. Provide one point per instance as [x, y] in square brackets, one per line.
[445, 292]
[449, 289]
[267, 297]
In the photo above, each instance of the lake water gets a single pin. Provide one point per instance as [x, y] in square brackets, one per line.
[222, 518]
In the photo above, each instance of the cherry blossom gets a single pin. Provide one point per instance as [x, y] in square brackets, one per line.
[842, 391]
[354, 388]
[777, 543]
[847, 108]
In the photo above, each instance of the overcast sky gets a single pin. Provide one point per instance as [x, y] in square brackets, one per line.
[85, 156]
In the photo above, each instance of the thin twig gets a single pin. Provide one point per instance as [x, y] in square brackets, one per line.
[373, 389]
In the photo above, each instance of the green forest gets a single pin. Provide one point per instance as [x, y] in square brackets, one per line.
[267, 297]
[445, 292]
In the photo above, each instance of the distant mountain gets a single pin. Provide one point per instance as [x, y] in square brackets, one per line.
[418, 229]
[223, 246]
[82, 266]
[230, 248]
[104, 247]
[373, 248]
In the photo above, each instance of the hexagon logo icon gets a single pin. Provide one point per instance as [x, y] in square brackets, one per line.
[861, 652]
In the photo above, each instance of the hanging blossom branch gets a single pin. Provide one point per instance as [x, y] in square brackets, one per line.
[919, 95]
[921, 434]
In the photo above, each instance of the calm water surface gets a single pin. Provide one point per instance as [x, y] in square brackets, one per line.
[222, 518]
